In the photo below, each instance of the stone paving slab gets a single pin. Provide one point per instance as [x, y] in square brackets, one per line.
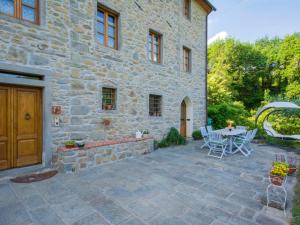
[179, 185]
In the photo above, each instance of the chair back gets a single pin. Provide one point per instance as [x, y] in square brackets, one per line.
[209, 129]
[215, 137]
[253, 134]
[248, 136]
[203, 132]
[241, 128]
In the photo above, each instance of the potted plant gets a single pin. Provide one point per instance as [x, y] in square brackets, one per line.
[70, 144]
[109, 107]
[292, 165]
[278, 173]
[146, 133]
[106, 122]
[230, 124]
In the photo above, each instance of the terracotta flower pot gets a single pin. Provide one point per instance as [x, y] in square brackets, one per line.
[106, 122]
[276, 180]
[70, 146]
[292, 169]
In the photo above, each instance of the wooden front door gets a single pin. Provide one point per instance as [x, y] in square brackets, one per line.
[183, 119]
[20, 126]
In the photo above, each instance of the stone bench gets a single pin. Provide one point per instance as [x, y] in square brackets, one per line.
[97, 153]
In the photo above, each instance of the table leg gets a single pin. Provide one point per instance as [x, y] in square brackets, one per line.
[230, 144]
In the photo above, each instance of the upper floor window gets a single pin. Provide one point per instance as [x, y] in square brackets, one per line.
[187, 8]
[108, 98]
[21, 9]
[154, 47]
[186, 59]
[107, 27]
[155, 105]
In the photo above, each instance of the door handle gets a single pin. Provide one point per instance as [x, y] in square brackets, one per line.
[27, 116]
[188, 119]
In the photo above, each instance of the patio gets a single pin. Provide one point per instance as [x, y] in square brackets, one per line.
[175, 186]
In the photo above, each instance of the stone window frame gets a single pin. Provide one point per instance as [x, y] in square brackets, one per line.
[189, 50]
[116, 14]
[112, 85]
[161, 105]
[160, 35]
[187, 9]
[41, 16]
[113, 100]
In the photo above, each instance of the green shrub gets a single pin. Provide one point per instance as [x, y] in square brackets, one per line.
[197, 135]
[223, 112]
[173, 138]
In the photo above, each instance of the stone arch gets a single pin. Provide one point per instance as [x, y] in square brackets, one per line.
[188, 116]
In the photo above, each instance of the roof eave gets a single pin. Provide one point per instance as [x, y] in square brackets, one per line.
[207, 6]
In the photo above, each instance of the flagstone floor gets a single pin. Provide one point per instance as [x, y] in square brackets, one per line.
[173, 186]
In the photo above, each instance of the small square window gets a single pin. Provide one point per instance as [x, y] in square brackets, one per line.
[186, 59]
[155, 105]
[108, 99]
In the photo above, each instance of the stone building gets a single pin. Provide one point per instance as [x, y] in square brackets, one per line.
[98, 70]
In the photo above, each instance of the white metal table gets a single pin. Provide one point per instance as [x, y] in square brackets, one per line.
[230, 134]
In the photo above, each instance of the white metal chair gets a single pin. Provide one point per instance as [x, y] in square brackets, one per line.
[204, 134]
[241, 127]
[253, 134]
[209, 129]
[217, 144]
[242, 144]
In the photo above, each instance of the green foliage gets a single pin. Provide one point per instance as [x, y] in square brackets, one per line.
[223, 112]
[244, 72]
[293, 90]
[173, 138]
[69, 142]
[254, 74]
[197, 135]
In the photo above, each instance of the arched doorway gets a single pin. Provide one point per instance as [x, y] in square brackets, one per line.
[186, 118]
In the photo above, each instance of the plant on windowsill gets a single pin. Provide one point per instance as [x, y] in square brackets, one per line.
[278, 173]
[108, 107]
[106, 122]
[70, 144]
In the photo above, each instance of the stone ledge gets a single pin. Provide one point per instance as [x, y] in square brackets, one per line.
[96, 153]
[102, 143]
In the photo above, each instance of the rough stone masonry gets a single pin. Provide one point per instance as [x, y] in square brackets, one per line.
[65, 43]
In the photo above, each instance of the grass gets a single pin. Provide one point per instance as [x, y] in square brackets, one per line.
[296, 206]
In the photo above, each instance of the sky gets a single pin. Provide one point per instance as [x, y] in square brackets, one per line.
[249, 20]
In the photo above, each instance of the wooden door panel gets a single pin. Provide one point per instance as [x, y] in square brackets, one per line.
[28, 124]
[183, 119]
[5, 128]
[26, 112]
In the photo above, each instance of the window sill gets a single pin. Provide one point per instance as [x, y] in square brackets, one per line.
[113, 111]
[19, 21]
[187, 73]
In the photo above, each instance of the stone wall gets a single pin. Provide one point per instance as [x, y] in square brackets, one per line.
[65, 44]
[77, 159]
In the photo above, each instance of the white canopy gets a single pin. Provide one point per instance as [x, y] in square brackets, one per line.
[273, 133]
[277, 105]
[268, 127]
